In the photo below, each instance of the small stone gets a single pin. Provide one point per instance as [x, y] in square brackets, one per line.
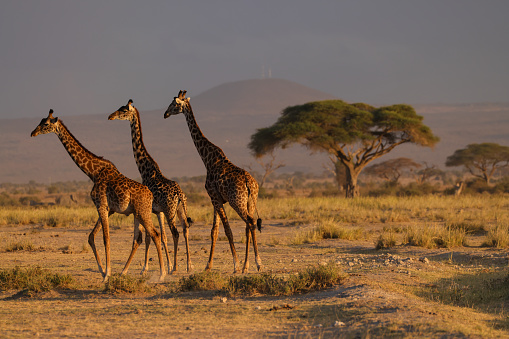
[319, 325]
[294, 260]
[338, 323]
[350, 263]
[424, 260]
[189, 328]
[258, 308]
[223, 299]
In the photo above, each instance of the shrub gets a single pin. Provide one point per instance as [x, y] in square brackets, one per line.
[20, 246]
[433, 237]
[386, 240]
[498, 236]
[328, 230]
[34, 279]
[126, 284]
[310, 279]
[6, 200]
[203, 281]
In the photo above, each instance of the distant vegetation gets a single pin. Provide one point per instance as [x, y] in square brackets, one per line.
[433, 216]
[383, 179]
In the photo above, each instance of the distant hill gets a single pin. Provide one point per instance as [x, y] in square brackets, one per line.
[228, 115]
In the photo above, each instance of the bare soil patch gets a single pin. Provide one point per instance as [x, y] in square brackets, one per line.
[385, 293]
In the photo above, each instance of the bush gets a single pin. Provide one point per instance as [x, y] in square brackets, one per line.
[435, 237]
[311, 279]
[203, 281]
[386, 240]
[328, 230]
[6, 200]
[34, 279]
[20, 246]
[126, 284]
[498, 237]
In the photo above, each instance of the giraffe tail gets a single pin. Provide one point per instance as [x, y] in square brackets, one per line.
[259, 220]
[183, 205]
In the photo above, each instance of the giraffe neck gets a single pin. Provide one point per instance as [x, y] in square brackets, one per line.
[147, 166]
[210, 154]
[88, 162]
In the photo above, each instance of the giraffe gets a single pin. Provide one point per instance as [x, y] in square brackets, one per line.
[112, 192]
[169, 200]
[225, 182]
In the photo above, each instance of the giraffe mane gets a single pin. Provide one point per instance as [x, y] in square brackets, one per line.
[81, 145]
[141, 136]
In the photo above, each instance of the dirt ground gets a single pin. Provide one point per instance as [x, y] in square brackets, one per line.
[376, 300]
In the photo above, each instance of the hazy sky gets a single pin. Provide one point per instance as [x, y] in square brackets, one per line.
[90, 57]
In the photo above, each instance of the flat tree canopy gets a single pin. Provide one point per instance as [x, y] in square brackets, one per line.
[481, 160]
[354, 134]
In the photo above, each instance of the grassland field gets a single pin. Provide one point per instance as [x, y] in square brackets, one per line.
[428, 266]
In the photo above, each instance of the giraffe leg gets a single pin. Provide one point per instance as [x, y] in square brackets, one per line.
[103, 215]
[229, 235]
[175, 234]
[91, 242]
[137, 240]
[255, 248]
[246, 261]
[213, 237]
[246, 215]
[164, 239]
[185, 228]
[147, 245]
[146, 221]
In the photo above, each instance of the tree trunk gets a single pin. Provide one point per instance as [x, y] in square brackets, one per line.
[352, 190]
[340, 171]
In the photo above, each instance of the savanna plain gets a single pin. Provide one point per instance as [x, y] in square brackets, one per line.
[422, 266]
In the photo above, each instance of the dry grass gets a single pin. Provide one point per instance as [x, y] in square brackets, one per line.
[443, 221]
[24, 245]
[435, 236]
[498, 236]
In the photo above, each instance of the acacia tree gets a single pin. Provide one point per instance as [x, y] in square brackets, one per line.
[481, 160]
[268, 166]
[392, 169]
[427, 173]
[353, 134]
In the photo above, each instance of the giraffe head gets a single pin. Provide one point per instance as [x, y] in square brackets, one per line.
[47, 125]
[179, 105]
[127, 112]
